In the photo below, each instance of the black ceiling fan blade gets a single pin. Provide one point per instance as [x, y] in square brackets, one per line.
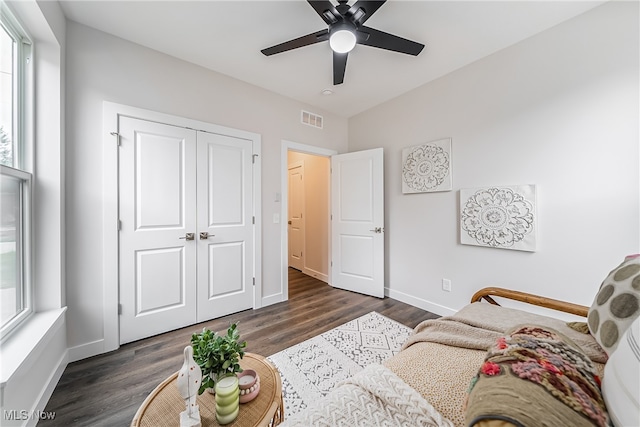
[326, 10]
[339, 67]
[368, 7]
[376, 38]
[309, 39]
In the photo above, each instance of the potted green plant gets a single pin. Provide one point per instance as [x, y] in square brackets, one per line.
[217, 355]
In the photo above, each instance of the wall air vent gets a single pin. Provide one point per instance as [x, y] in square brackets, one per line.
[311, 119]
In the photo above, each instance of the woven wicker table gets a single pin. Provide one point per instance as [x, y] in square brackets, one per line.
[163, 406]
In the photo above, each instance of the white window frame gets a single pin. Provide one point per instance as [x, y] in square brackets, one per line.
[22, 169]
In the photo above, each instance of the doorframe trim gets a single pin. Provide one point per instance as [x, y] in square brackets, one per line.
[111, 112]
[284, 203]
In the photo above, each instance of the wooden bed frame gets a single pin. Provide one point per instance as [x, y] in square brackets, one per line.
[567, 307]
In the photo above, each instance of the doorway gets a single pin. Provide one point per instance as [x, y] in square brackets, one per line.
[299, 152]
[309, 214]
[355, 248]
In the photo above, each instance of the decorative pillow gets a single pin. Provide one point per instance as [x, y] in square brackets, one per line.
[617, 304]
[535, 376]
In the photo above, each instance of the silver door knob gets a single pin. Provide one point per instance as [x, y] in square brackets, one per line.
[377, 230]
[188, 236]
[205, 235]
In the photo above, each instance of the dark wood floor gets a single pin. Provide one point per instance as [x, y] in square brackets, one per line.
[106, 390]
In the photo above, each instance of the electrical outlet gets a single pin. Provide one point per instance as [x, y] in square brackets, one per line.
[446, 285]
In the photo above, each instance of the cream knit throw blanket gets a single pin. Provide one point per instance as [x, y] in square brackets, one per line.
[479, 325]
[373, 397]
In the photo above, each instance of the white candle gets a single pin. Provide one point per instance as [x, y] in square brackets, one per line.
[246, 379]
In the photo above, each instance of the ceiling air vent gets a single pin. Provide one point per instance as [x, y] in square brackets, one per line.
[311, 119]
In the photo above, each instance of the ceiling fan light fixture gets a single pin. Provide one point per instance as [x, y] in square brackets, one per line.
[345, 30]
[342, 40]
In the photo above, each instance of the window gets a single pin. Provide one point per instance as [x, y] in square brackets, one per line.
[15, 176]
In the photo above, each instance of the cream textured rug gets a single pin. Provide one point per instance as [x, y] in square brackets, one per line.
[311, 369]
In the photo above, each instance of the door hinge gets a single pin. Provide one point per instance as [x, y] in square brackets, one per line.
[119, 225]
[331, 263]
[117, 135]
[254, 220]
[119, 308]
[254, 281]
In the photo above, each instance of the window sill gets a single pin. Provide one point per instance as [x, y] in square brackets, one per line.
[29, 339]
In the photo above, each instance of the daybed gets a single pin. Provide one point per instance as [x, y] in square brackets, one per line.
[467, 369]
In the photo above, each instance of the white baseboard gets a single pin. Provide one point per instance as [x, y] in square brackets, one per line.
[83, 351]
[419, 302]
[318, 275]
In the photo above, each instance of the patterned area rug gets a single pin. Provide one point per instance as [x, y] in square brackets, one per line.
[311, 369]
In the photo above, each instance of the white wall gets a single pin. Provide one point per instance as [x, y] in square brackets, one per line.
[559, 110]
[100, 68]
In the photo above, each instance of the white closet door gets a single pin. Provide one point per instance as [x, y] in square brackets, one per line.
[157, 183]
[225, 214]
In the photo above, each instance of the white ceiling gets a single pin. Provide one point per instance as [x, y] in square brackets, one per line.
[227, 36]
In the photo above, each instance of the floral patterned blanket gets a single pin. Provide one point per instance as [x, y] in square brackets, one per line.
[535, 376]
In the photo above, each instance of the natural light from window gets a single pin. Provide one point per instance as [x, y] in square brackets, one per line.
[10, 292]
[7, 47]
[15, 180]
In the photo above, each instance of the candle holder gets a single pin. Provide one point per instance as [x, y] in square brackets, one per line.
[249, 383]
[227, 399]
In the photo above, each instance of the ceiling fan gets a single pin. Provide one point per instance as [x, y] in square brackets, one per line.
[345, 30]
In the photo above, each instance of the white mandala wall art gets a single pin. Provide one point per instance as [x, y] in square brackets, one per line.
[427, 167]
[499, 217]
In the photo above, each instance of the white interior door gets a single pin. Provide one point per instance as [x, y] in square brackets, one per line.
[357, 228]
[296, 221]
[157, 184]
[225, 214]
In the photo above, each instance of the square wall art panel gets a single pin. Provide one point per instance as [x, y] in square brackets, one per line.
[499, 217]
[427, 168]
